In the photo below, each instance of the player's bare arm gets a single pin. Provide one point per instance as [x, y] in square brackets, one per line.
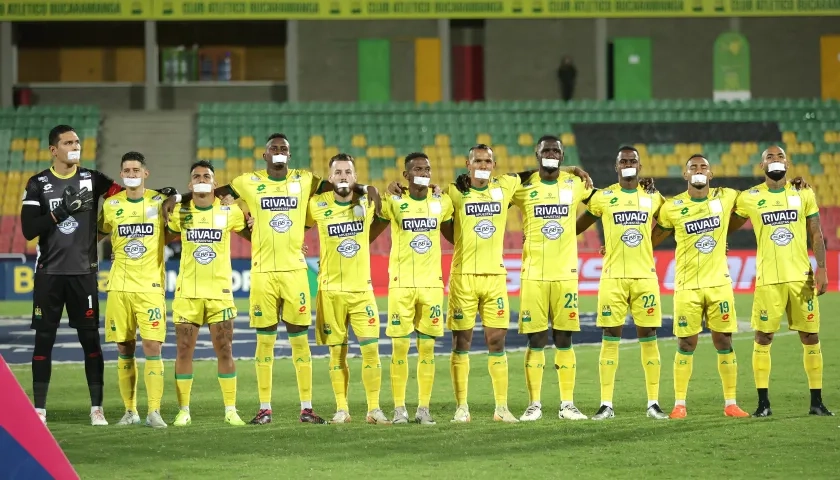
[659, 234]
[736, 222]
[818, 246]
[584, 221]
[447, 229]
[379, 225]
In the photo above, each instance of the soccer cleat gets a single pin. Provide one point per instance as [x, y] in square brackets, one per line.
[462, 414]
[97, 418]
[232, 418]
[377, 417]
[182, 419]
[341, 416]
[130, 418]
[263, 417]
[424, 417]
[735, 411]
[604, 413]
[820, 411]
[502, 414]
[400, 416]
[532, 413]
[656, 413]
[42, 416]
[307, 415]
[571, 412]
[678, 412]
[763, 411]
[154, 420]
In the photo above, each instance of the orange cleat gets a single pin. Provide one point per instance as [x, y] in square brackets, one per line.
[735, 411]
[678, 412]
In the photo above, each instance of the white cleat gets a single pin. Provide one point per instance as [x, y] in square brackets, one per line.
[341, 416]
[97, 418]
[604, 413]
[154, 420]
[42, 416]
[570, 412]
[424, 417]
[502, 414]
[377, 417]
[462, 414]
[400, 416]
[656, 413]
[532, 413]
[130, 418]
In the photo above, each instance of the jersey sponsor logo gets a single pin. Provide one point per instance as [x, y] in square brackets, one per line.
[348, 248]
[419, 224]
[552, 230]
[421, 244]
[632, 237]
[278, 204]
[280, 223]
[485, 229]
[706, 244]
[135, 230]
[781, 236]
[346, 229]
[204, 255]
[630, 217]
[703, 225]
[204, 235]
[551, 212]
[779, 217]
[483, 209]
[69, 225]
[134, 249]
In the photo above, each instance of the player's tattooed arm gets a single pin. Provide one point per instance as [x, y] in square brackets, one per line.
[447, 229]
[659, 234]
[818, 246]
[377, 227]
[584, 221]
[736, 222]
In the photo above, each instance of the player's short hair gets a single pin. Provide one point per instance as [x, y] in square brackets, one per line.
[275, 136]
[627, 148]
[549, 138]
[414, 155]
[57, 131]
[202, 163]
[696, 155]
[480, 146]
[343, 157]
[134, 157]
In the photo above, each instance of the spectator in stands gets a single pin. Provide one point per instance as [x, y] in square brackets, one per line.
[567, 75]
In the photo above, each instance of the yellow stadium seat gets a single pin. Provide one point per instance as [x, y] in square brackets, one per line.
[258, 152]
[442, 139]
[672, 159]
[388, 151]
[730, 170]
[88, 154]
[837, 158]
[806, 147]
[30, 155]
[825, 158]
[736, 147]
[32, 144]
[500, 152]
[359, 141]
[568, 139]
[246, 142]
[525, 139]
[44, 155]
[750, 148]
[218, 153]
[830, 136]
[694, 148]
[330, 152]
[657, 159]
[18, 144]
[788, 137]
[727, 158]
[316, 141]
[203, 153]
[757, 171]
[374, 152]
[792, 148]
[484, 138]
[682, 149]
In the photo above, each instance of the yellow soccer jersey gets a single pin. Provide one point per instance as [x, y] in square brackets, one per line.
[205, 270]
[415, 239]
[549, 211]
[344, 235]
[480, 218]
[700, 228]
[626, 216]
[278, 206]
[137, 238]
[779, 220]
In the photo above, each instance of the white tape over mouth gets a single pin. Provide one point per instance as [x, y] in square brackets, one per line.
[699, 178]
[279, 158]
[628, 172]
[776, 167]
[202, 188]
[422, 181]
[482, 174]
[550, 163]
[74, 155]
[132, 182]
[343, 185]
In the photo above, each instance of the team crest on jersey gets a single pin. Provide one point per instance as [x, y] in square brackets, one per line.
[257, 310]
[421, 244]
[204, 255]
[395, 319]
[135, 230]
[782, 236]
[632, 237]
[781, 217]
[682, 321]
[457, 313]
[485, 229]
[526, 316]
[134, 249]
[348, 248]
[703, 225]
[706, 244]
[606, 311]
[552, 230]
[280, 223]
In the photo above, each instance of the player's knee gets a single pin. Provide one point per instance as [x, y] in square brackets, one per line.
[722, 341]
[127, 348]
[688, 344]
[562, 339]
[290, 328]
[495, 339]
[152, 348]
[645, 332]
[763, 338]
[612, 332]
[461, 342]
[224, 350]
[809, 338]
[44, 341]
[538, 339]
[89, 340]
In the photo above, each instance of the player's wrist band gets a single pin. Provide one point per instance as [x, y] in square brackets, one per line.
[364, 188]
[177, 198]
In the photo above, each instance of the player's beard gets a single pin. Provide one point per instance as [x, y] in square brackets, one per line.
[342, 189]
[777, 175]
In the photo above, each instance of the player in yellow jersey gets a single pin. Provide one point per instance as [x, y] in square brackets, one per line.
[203, 292]
[628, 277]
[415, 292]
[133, 221]
[549, 200]
[345, 293]
[699, 220]
[783, 218]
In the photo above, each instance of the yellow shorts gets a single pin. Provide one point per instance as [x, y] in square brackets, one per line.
[125, 312]
[640, 295]
[540, 300]
[468, 293]
[201, 311]
[334, 310]
[412, 309]
[796, 299]
[271, 291]
[715, 304]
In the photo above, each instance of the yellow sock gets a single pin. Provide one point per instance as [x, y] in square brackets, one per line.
[565, 362]
[302, 356]
[728, 370]
[153, 374]
[339, 375]
[534, 367]
[264, 357]
[652, 366]
[228, 383]
[371, 372]
[425, 368]
[498, 367]
[183, 387]
[813, 365]
[127, 376]
[399, 369]
[459, 369]
[607, 366]
[683, 365]
[761, 365]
